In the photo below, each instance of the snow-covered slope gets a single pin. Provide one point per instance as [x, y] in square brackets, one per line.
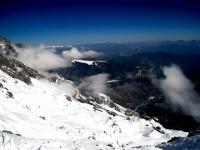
[45, 115]
[88, 62]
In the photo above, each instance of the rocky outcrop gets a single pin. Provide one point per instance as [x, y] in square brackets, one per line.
[17, 69]
[6, 48]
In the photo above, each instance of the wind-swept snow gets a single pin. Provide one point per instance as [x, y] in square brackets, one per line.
[41, 116]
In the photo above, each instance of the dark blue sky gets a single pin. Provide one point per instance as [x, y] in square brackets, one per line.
[91, 21]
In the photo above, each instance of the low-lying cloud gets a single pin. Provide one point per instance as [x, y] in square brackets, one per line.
[179, 91]
[74, 53]
[95, 84]
[42, 58]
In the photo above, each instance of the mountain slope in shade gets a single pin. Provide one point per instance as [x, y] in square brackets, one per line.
[192, 142]
[47, 115]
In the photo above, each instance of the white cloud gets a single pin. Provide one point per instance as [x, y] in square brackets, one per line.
[74, 53]
[95, 84]
[179, 91]
[42, 58]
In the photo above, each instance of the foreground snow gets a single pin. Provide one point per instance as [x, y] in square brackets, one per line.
[45, 115]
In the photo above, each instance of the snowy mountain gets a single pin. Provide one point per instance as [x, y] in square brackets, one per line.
[88, 62]
[135, 89]
[40, 113]
[6, 48]
[41, 116]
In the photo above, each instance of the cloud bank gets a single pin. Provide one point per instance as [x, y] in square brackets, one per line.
[179, 91]
[95, 84]
[42, 58]
[74, 53]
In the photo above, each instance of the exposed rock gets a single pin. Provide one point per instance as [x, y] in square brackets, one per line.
[6, 48]
[6, 91]
[56, 78]
[18, 134]
[9, 94]
[6, 131]
[130, 112]
[43, 118]
[174, 139]
[17, 69]
[68, 98]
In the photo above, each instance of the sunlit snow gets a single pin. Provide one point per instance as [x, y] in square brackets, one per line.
[39, 117]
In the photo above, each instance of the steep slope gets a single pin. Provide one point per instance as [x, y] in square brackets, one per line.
[134, 88]
[17, 69]
[48, 115]
[6, 48]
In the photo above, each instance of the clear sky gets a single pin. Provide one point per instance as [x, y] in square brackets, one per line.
[93, 21]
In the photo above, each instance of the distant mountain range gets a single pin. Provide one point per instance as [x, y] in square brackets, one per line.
[179, 46]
